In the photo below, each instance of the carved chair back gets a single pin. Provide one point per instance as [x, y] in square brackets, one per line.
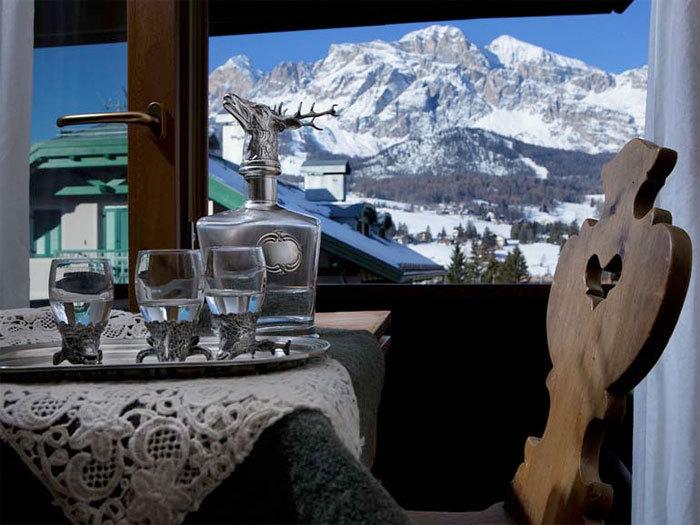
[603, 341]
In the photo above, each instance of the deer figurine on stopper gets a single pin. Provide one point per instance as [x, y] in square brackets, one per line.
[262, 124]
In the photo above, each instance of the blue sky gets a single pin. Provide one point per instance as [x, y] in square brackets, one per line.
[612, 42]
[82, 79]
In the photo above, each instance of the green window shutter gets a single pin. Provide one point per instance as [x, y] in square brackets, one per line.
[46, 233]
[123, 229]
[115, 228]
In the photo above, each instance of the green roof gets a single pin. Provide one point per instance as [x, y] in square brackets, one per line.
[224, 195]
[95, 148]
[106, 146]
[101, 147]
[96, 187]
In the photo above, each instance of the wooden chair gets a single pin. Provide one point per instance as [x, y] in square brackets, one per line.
[602, 341]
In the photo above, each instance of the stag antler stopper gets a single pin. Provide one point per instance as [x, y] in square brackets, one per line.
[263, 124]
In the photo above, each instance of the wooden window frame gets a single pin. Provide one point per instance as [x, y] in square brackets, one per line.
[167, 63]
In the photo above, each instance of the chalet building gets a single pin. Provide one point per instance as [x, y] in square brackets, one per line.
[424, 236]
[79, 207]
[326, 180]
[78, 201]
[363, 217]
[403, 238]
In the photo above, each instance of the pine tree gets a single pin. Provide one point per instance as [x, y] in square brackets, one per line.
[460, 233]
[471, 273]
[428, 234]
[456, 270]
[470, 232]
[514, 269]
[573, 228]
[526, 234]
[492, 270]
[556, 233]
[483, 266]
[442, 234]
[515, 230]
[476, 255]
[485, 250]
[488, 238]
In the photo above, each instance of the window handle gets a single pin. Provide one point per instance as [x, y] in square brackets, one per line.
[153, 118]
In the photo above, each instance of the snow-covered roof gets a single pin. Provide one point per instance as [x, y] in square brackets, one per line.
[347, 211]
[384, 257]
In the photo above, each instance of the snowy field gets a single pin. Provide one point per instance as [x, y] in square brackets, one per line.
[566, 211]
[541, 257]
[439, 253]
[417, 221]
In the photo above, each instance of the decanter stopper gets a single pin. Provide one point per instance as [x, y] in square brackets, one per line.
[262, 124]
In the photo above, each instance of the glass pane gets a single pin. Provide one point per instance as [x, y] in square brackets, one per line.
[78, 174]
[465, 151]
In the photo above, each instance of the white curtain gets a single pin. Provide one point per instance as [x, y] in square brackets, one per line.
[16, 43]
[666, 459]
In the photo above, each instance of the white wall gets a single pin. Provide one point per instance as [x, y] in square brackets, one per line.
[333, 184]
[232, 143]
[79, 231]
[39, 277]
[80, 228]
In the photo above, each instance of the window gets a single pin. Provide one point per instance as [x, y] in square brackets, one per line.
[359, 169]
[115, 189]
[466, 151]
[77, 172]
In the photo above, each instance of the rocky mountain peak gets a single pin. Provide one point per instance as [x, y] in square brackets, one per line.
[443, 43]
[435, 80]
[238, 61]
[435, 33]
[513, 52]
[287, 76]
[236, 74]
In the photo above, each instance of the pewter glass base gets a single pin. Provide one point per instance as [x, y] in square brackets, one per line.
[172, 341]
[237, 336]
[80, 344]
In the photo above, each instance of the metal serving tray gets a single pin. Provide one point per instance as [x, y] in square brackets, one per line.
[34, 362]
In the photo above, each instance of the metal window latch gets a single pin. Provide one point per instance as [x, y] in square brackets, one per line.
[154, 118]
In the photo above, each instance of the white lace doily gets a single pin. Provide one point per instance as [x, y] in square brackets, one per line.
[149, 452]
[36, 325]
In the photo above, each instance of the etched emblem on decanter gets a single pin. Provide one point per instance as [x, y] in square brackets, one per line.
[282, 252]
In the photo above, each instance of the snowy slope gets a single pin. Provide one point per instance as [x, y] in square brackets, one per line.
[541, 257]
[419, 221]
[565, 211]
[513, 52]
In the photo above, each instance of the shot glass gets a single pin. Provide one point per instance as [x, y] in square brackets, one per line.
[169, 293]
[234, 286]
[81, 293]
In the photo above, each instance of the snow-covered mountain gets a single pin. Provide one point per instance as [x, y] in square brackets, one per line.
[434, 93]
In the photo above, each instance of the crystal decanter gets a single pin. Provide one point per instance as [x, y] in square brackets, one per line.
[290, 241]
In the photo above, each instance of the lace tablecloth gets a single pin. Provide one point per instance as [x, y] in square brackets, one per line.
[149, 452]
